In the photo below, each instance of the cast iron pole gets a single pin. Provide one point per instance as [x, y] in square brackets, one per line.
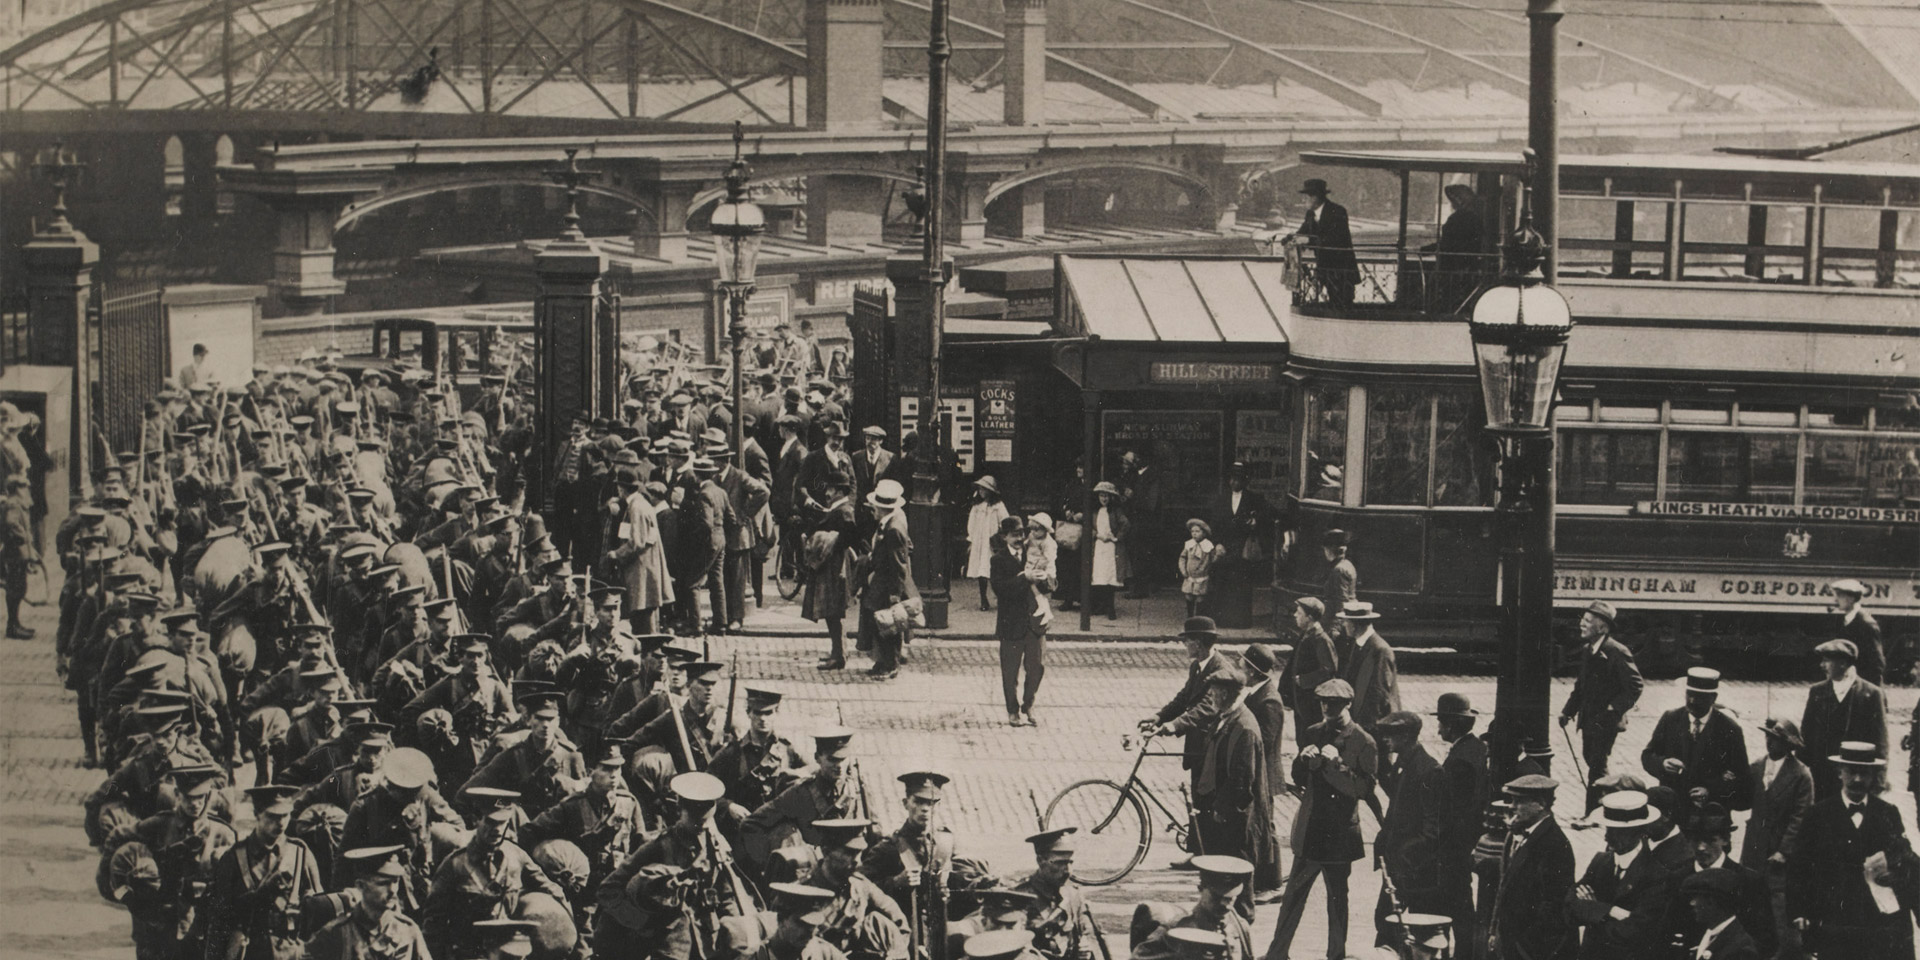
[927, 480]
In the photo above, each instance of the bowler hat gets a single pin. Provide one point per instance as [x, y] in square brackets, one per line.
[1260, 659]
[1314, 187]
[1454, 705]
[1200, 628]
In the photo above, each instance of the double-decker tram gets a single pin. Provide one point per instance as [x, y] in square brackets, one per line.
[1738, 423]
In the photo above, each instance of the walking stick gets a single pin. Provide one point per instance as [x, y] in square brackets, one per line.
[1574, 755]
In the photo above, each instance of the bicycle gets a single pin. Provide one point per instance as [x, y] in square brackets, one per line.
[1115, 827]
[790, 565]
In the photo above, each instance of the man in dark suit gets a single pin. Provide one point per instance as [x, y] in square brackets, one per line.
[820, 464]
[1263, 698]
[1021, 642]
[1200, 703]
[787, 466]
[1408, 845]
[680, 416]
[1465, 770]
[746, 498]
[889, 578]
[1699, 751]
[1529, 920]
[1829, 894]
[705, 517]
[1233, 807]
[1782, 794]
[1325, 232]
[1712, 897]
[1840, 708]
[1241, 526]
[1608, 686]
[1859, 626]
[1621, 901]
[1343, 579]
[1711, 833]
[1145, 495]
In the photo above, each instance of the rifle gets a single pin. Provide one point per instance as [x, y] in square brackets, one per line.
[1099, 937]
[733, 687]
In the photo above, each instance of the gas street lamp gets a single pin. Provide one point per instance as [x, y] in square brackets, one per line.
[1520, 328]
[738, 225]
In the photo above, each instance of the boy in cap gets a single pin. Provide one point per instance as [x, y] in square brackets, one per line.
[259, 883]
[1407, 848]
[376, 926]
[1699, 751]
[1060, 917]
[1315, 661]
[1608, 686]
[1858, 626]
[1843, 707]
[1223, 882]
[1528, 919]
[1851, 885]
[1336, 768]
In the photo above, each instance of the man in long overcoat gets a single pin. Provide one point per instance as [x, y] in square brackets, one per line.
[1528, 920]
[1608, 686]
[1782, 795]
[1313, 663]
[1234, 806]
[1840, 708]
[1408, 845]
[1337, 767]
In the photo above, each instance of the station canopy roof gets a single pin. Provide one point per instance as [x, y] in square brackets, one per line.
[1183, 300]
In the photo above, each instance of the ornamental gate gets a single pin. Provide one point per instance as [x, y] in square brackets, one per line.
[130, 348]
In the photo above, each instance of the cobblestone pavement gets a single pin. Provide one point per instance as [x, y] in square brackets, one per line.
[943, 712]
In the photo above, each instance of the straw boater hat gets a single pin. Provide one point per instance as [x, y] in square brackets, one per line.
[1625, 808]
[887, 495]
[1858, 753]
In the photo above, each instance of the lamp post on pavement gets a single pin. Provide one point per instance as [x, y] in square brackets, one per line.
[738, 226]
[1520, 328]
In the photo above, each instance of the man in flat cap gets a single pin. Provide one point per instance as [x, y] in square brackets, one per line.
[376, 926]
[1528, 919]
[1843, 707]
[1859, 626]
[258, 885]
[1223, 882]
[1851, 885]
[1234, 808]
[1337, 767]
[1060, 918]
[1608, 686]
[1314, 662]
[1699, 751]
[762, 763]
[1782, 794]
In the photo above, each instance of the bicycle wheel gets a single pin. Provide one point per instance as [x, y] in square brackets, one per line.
[1113, 829]
[787, 571]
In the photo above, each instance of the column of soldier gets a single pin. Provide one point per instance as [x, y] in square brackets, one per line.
[460, 744]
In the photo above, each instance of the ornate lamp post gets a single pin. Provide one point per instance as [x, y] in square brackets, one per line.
[1520, 328]
[738, 226]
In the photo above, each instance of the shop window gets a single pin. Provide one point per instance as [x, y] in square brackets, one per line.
[1399, 434]
[1894, 472]
[1608, 466]
[1326, 442]
[1836, 470]
[1462, 462]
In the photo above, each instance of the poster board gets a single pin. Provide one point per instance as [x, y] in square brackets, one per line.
[1183, 445]
[1260, 442]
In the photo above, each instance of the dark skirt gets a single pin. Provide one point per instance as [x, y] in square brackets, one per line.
[825, 595]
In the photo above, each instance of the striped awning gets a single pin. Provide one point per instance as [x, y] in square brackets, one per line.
[1174, 299]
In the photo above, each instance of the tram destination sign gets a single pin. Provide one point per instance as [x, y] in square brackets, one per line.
[1212, 372]
[1775, 511]
[1576, 586]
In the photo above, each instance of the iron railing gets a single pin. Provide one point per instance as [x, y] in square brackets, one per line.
[16, 335]
[1386, 277]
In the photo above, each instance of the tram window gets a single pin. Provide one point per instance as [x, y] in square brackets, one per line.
[1836, 470]
[1399, 434]
[1849, 241]
[1839, 418]
[1462, 466]
[1893, 472]
[1772, 459]
[1898, 416]
[1608, 466]
[1706, 466]
[1706, 413]
[1763, 415]
[1573, 412]
[1326, 442]
[1630, 414]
